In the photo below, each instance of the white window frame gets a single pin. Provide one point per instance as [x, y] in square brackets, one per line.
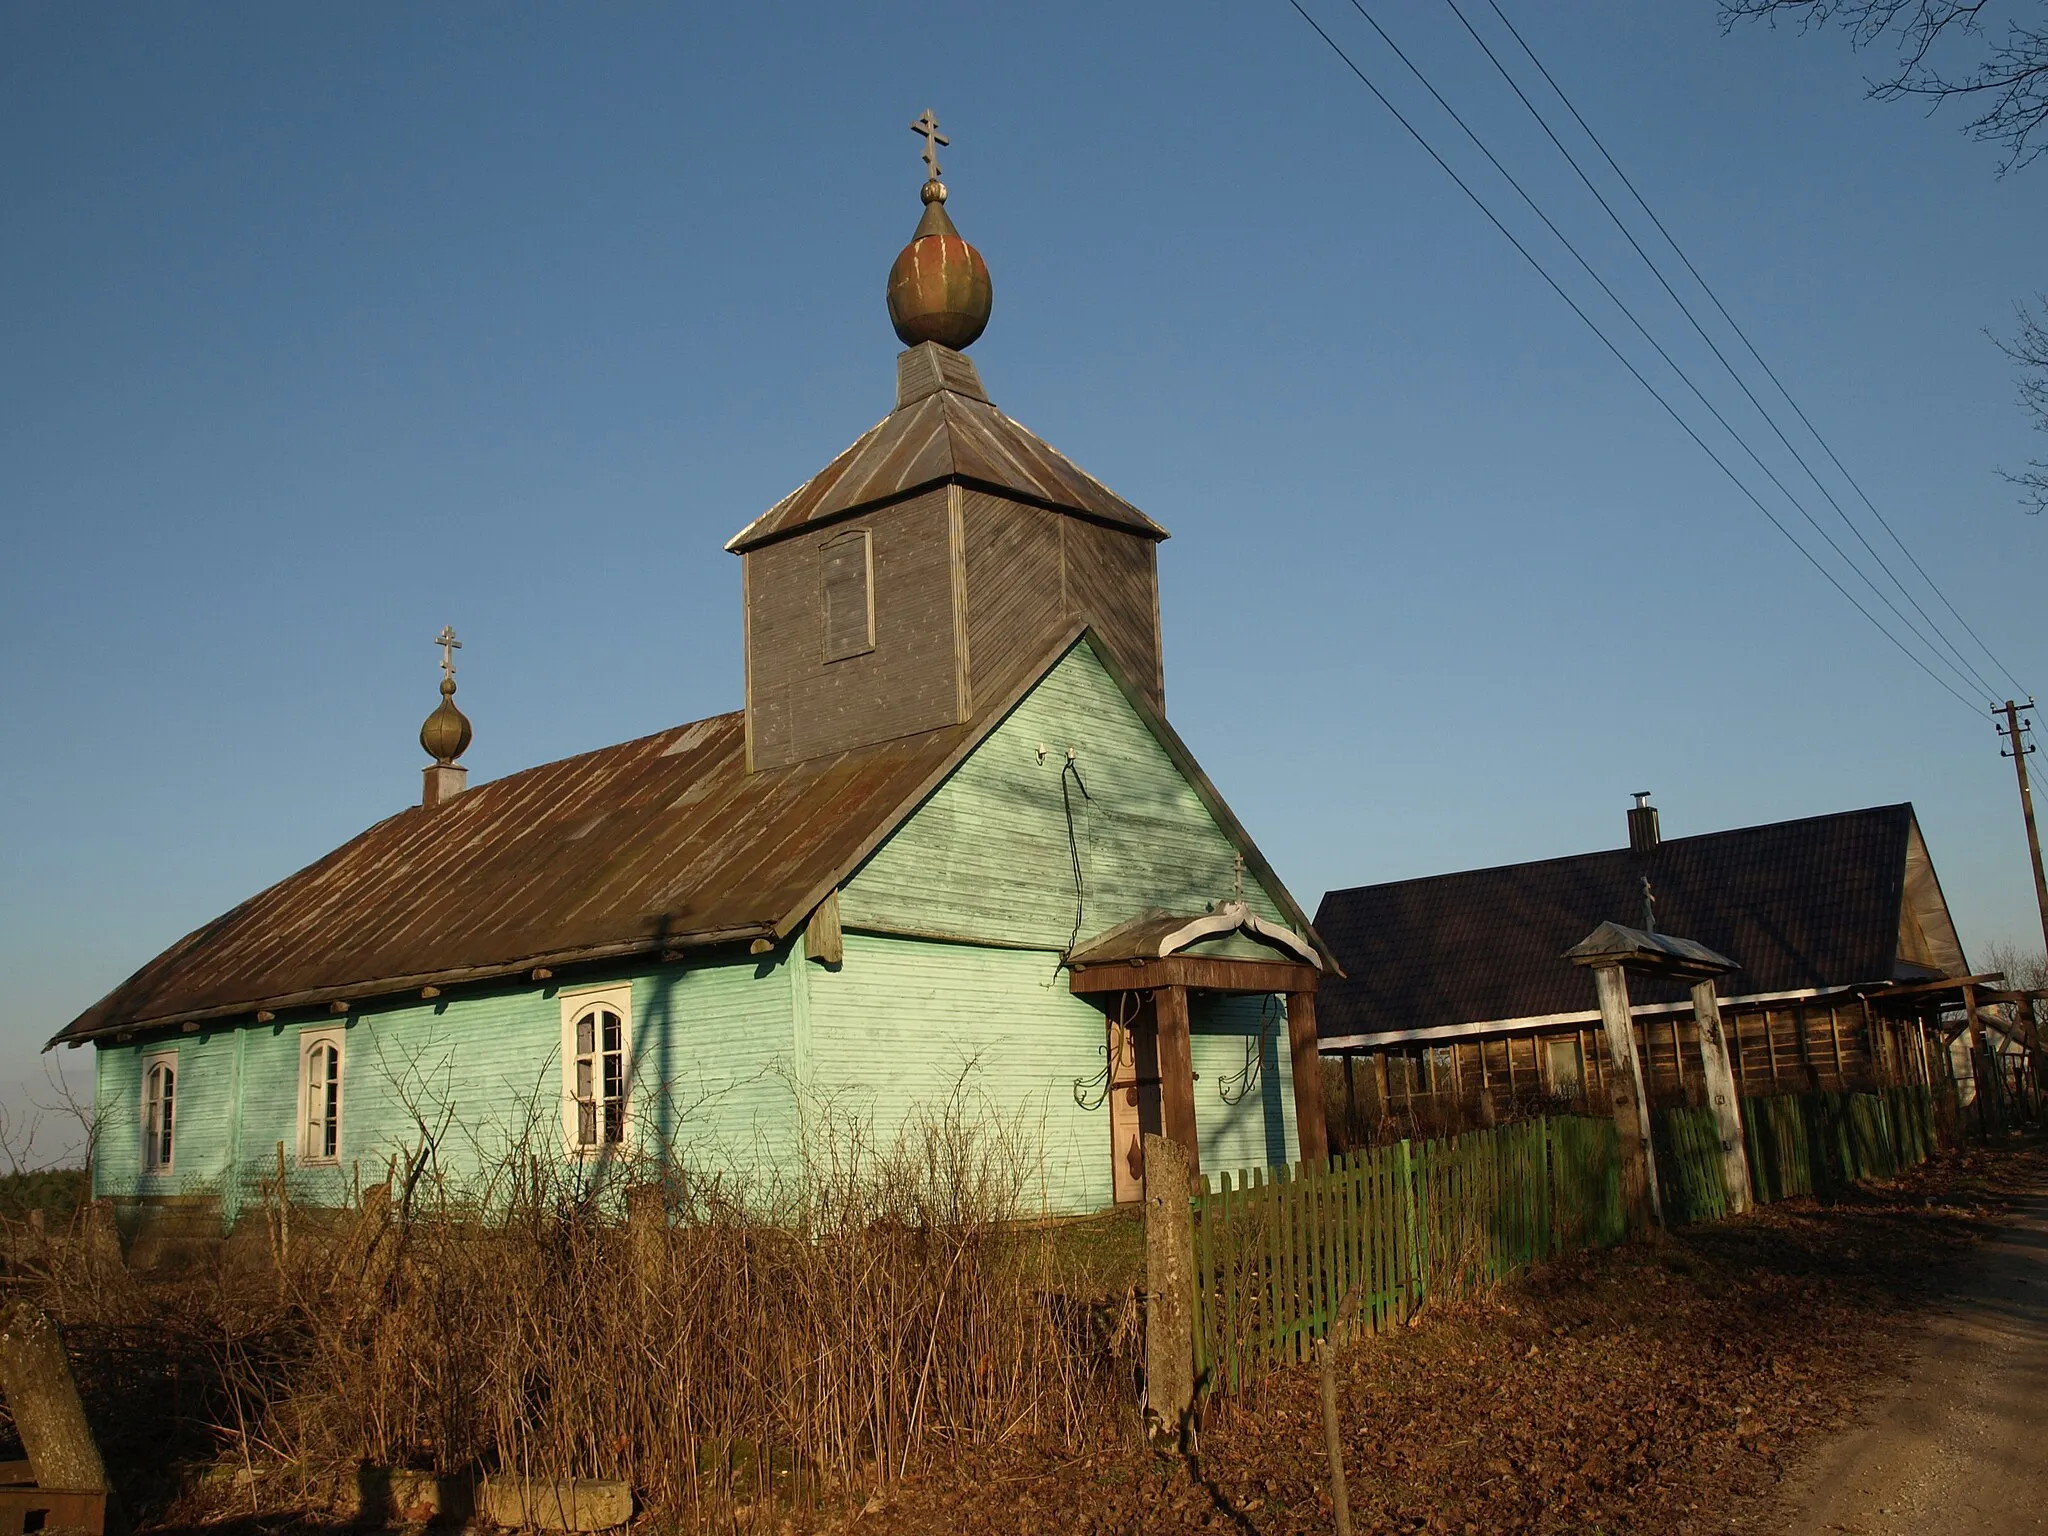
[618, 1000]
[311, 1155]
[152, 1165]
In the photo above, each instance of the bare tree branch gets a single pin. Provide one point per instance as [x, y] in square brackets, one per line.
[2007, 84]
[2028, 349]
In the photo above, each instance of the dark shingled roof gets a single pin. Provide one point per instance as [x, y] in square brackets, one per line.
[1797, 904]
[945, 436]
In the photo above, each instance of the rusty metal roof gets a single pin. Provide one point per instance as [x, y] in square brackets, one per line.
[945, 436]
[662, 843]
[1156, 933]
[647, 848]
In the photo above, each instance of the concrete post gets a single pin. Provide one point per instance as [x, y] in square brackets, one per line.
[1177, 1073]
[1169, 1291]
[1631, 1104]
[1722, 1095]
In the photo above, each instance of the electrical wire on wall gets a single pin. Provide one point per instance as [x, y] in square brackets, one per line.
[1117, 1048]
[1239, 1086]
[1073, 768]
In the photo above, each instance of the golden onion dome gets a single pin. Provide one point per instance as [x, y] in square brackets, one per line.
[939, 288]
[446, 733]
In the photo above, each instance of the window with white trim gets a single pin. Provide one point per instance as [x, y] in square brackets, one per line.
[159, 1110]
[597, 1064]
[320, 1096]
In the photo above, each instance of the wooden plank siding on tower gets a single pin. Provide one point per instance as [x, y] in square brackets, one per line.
[984, 552]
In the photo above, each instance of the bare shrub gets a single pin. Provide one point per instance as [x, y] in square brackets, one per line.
[879, 1302]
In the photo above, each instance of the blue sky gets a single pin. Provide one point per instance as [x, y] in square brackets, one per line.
[324, 327]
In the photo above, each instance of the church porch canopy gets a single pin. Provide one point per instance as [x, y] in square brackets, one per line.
[1157, 957]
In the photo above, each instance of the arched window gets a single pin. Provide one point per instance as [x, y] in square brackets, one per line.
[320, 1099]
[596, 1059]
[159, 1112]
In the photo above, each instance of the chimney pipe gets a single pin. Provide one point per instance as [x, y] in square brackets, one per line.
[1643, 836]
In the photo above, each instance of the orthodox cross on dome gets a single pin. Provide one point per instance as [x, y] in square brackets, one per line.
[927, 127]
[449, 646]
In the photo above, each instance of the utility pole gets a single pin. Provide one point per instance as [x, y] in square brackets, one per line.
[2014, 730]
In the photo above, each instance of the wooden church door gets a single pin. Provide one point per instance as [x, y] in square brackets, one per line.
[1133, 1091]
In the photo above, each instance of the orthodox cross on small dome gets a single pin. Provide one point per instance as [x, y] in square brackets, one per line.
[449, 646]
[927, 127]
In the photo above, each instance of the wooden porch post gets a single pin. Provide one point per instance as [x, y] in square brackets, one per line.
[1631, 1106]
[1177, 1074]
[1310, 1133]
[1981, 1071]
[1721, 1094]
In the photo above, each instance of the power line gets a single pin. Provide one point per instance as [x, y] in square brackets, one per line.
[1619, 356]
[1669, 361]
[1743, 336]
[1974, 676]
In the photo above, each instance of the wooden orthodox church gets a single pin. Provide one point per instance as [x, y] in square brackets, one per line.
[950, 845]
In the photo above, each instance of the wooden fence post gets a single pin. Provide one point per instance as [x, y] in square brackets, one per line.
[1721, 1095]
[1982, 1069]
[647, 1235]
[1169, 1291]
[1631, 1103]
[36, 1378]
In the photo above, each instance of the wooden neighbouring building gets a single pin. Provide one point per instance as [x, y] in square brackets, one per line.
[1457, 1006]
[950, 848]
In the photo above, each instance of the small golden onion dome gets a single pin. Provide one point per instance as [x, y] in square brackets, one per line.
[939, 288]
[446, 733]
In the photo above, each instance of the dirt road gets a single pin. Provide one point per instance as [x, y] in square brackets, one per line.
[1961, 1443]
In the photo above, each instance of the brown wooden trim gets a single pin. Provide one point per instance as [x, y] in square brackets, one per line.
[390, 987]
[742, 544]
[1909, 988]
[1203, 972]
[956, 543]
[1310, 1133]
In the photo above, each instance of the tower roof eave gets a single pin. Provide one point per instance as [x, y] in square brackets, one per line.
[945, 436]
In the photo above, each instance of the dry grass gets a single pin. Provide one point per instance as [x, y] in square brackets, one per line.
[819, 1338]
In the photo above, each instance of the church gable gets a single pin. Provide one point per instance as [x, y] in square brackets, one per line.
[992, 854]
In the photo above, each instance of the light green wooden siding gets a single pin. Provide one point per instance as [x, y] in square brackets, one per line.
[713, 1080]
[987, 856]
[717, 1047]
[907, 1024]
[1244, 1085]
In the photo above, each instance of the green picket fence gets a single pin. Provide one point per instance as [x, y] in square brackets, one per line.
[1279, 1251]
[1688, 1147]
[1817, 1143]
[1798, 1144]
